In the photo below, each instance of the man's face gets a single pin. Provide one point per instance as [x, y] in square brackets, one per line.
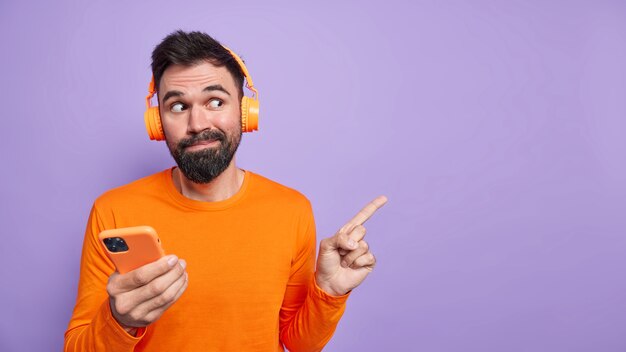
[201, 117]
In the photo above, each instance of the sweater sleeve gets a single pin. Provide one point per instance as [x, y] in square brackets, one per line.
[308, 316]
[92, 326]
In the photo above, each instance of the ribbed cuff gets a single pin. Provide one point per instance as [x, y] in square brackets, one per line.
[326, 297]
[112, 327]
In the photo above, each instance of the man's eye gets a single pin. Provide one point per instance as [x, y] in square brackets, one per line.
[216, 104]
[177, 107]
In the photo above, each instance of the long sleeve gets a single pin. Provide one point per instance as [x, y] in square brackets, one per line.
[308, 316]
[92, 327]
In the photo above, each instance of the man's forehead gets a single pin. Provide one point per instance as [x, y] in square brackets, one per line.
[203, 73]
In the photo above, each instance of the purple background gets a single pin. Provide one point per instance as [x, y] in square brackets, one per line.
[496, 130]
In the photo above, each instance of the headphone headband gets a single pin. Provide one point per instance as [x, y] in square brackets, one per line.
[244, 69]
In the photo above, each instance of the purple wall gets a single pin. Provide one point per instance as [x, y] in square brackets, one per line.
[496, 130]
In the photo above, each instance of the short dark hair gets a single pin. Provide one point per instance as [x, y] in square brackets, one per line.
[191, 48]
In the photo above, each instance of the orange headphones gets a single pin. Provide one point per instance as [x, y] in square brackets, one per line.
[249, 107]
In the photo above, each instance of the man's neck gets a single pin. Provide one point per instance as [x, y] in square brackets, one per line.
[224, 186]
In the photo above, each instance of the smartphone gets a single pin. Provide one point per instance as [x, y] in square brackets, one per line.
[131, 247]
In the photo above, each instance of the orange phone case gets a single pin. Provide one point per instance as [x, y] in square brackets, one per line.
[144, 247]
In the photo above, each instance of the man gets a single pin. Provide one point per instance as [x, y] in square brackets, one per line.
[248, 243]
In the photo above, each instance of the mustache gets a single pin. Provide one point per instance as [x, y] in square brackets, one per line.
[208, 135]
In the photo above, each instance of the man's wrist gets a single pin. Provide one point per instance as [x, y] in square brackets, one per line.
[326, 288]
[132, 331]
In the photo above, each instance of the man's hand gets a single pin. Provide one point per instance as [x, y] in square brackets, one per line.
[139, 297]
[345, 260]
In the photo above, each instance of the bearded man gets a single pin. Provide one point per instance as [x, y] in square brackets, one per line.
[240, 273]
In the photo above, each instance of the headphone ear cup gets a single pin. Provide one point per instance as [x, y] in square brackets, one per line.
[249, 114]
[153, 124]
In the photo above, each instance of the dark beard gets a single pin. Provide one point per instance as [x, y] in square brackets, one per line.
[205, 165]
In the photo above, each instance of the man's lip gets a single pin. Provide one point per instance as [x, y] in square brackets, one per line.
[202, 143]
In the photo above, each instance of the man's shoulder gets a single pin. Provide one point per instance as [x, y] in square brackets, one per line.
[147, 186]
[267, 188]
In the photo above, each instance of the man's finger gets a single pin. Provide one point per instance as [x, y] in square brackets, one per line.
[357, 233]
[160, 284]
[365, 213]
[167, 296]
[367, 260]
[349, 258]
[145, 274]
[340, 241]
[155, 314]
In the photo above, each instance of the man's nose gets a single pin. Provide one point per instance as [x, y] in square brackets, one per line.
[199, 120]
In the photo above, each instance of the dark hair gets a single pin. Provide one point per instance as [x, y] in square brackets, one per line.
[188, 49]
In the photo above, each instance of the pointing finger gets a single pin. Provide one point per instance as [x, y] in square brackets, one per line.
[365, 213]
[357, 233]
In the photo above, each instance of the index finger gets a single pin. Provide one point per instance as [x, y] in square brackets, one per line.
[366, 212]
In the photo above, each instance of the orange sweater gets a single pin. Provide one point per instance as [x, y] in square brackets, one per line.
[250, 260]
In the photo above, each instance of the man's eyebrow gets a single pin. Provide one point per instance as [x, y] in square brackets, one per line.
[215, 87]
[177, 93]
[172, 93]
